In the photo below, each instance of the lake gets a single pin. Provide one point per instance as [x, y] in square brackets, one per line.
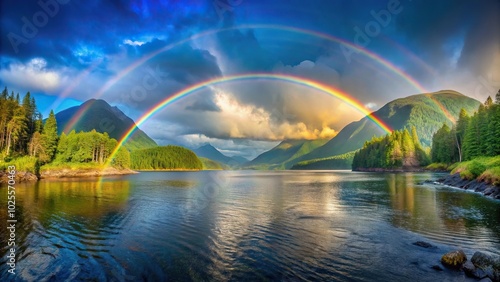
[245, 225]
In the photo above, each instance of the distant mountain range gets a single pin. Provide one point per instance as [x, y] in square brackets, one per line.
[210, 152]
[99, 115]
[427, 112]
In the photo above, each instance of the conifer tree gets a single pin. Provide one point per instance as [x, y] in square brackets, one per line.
[49, 138]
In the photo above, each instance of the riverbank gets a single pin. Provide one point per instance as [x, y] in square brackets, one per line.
[402, 169]
[454, 180]
[23, 176]
[19, 176]
[164, 169]
[82, 172]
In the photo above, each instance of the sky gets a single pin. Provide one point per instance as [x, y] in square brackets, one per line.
[135, 54]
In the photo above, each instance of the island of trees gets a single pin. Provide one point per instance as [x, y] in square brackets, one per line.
[165, 158]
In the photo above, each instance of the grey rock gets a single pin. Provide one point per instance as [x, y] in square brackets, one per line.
[482, 260]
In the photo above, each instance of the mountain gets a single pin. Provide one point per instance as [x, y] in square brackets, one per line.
[240, 159]
[99, 115]
[209, 164]
[210, 152]
[427, 112]
[283, 156]
[343, 161]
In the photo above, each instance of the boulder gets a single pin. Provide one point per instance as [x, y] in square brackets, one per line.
[488, 191]
[472, 271]
[486, 265]
[480, 259]
[454, 259]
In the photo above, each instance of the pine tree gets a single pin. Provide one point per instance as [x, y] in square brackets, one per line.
[488, 102]
[471, 142]
[49, 138]
[482, 129]
[497, 97]
[460, 129]
[493, 136]
[16, 130]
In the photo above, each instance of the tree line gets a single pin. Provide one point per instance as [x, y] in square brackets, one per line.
[166, 157]
[471, 137]
[23, 133]
[395, 150]
[93, 146]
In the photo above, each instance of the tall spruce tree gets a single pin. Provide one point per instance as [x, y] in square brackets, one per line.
[49, 138]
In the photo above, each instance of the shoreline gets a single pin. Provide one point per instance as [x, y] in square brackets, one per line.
[82, 173]
[175, 169]
[407, 169]
[455, 181]
[23, 176]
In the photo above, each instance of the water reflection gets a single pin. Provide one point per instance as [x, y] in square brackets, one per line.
[446, 215]
[66, 224]
[245, 226]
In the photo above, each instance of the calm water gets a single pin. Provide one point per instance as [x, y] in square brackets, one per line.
[252, 226]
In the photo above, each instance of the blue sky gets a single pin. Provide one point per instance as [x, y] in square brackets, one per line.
[66, 52]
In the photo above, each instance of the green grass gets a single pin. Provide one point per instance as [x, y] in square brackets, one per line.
[491, 175]
[438, 167]
[25, 164]
[483, 169]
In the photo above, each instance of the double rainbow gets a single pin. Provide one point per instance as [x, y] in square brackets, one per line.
[139, 62]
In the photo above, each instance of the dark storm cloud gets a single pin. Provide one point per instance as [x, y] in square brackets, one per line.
[102, 25]
[184, 63]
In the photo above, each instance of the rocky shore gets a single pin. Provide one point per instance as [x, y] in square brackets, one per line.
[70, 173]
[63, 173]
[480, 266]
[454, 180]
[20, 176]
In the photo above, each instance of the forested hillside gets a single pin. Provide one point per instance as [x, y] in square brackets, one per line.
[343, 161]
[427, 112]
[165, 157]
[400, 149]
[474, 141]
[285, 154]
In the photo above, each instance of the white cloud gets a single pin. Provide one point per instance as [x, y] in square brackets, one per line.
[33, 76]
[133, 43]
